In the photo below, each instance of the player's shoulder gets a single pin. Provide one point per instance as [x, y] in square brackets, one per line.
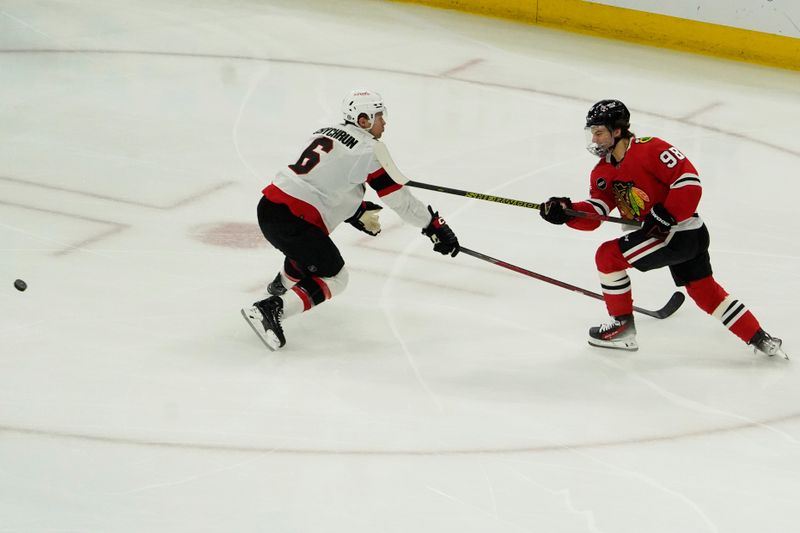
[651, 143]
[351, 137]
[646, 147]
[602, 163]
[366, 140]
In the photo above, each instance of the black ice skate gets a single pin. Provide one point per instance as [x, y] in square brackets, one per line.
[265, 319]
[767, 344]
[620, 334]
[276, 288]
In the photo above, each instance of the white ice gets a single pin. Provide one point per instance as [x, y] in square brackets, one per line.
[436, 394]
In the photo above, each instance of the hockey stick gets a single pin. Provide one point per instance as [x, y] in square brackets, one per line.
[519, 203]
[675, 301]
[386, 161]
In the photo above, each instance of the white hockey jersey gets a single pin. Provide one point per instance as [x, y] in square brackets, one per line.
[327, 183]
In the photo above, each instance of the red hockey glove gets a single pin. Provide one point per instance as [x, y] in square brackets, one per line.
[553, 210]
[658, 222]
[443, 238]
[366, 218]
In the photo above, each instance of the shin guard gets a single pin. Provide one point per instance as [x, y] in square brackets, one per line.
[616, 284]
[714, 300]
[312, 291]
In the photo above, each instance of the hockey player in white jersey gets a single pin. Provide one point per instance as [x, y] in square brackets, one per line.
[309, 198]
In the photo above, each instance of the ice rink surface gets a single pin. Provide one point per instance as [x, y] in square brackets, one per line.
[436, 394]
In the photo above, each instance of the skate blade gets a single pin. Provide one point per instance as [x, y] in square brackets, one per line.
[268, 337]
[629, 346]
[781, 352]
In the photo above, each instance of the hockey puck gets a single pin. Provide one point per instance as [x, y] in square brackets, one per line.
[20, 285]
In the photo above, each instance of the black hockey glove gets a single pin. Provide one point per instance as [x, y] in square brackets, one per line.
[553, 210]
[658, 222]
[366, 218]
[443, 238]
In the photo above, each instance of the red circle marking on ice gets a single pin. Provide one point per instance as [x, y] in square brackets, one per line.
[229, 234]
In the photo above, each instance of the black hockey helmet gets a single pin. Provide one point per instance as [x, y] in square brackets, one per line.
[609, 113]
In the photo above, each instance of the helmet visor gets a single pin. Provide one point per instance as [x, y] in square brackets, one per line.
[599, 140]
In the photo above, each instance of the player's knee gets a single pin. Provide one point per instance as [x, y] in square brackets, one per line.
[706, 285]
[314, 290]
[338, 283]
[609, 258]
[329, 268]
[293, 269]
[706, 293]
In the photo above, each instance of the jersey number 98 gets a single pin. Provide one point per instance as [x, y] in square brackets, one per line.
[671, 157]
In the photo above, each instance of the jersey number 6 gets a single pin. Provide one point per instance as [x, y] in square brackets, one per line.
[310, 157]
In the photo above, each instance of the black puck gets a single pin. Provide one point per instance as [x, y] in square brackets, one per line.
[20, 285]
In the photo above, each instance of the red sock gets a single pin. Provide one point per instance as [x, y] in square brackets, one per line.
[614, 280]
[734, 315]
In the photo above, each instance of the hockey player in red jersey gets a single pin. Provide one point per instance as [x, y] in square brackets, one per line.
[309, 198]
[649, 180]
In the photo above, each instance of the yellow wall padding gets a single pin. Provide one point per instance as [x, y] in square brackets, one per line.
[640, 27]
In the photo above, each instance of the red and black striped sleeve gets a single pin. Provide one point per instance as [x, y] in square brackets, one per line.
[382, 182]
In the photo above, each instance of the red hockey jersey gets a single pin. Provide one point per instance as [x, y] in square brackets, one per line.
[652, 172]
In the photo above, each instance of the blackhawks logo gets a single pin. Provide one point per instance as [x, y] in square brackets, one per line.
[630, 200]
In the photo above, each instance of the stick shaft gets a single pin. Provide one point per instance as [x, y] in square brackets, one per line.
[517, 203]
[483, 257]
[530, 273]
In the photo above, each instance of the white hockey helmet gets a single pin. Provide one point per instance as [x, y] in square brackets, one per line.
[362, 101]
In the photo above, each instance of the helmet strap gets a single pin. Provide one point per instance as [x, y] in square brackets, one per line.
[614, 147]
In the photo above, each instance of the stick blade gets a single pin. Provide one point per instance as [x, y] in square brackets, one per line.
[672, 305]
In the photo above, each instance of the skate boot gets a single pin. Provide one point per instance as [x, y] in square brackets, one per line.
[619, 334]
[767, 344]
[265, 319]
[276, 288]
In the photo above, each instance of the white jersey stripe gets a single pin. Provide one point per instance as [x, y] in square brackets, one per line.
[686, 180]
[599, 206]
